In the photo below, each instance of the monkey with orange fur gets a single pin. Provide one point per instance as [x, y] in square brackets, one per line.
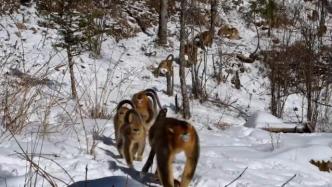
[145, 107]
[119, 118]
[167, 137]
[204, 39]
[190, 54]
[132, 137]
[165, 66]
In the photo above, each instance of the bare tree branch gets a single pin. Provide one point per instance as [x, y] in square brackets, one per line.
[245, 169]
[284, 184]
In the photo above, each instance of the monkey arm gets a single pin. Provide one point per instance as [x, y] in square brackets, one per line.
[128, 153]
[140, 151]
[119, 147]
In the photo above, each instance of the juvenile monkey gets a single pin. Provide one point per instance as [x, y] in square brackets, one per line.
[229, 32]
[145, 107]
[204, 39]
[132, 137]
[190, 54]
[165, 66]
[119, 117]
[167, 137]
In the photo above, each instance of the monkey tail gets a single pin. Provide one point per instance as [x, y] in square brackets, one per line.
[153, 94]
[162, 114]
[170, 57]
[196, 150]
[126, 101]
[148, 162]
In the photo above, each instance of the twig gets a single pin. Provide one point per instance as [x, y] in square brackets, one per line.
[8, 34]
[86, 175]
[48, 177]
[237, 177]
[219, 102]
[41, 156]
[288, 180]
[323, 104]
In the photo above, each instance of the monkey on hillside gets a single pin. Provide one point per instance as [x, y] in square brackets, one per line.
[165, 66]
[132, 137]
[204, 39]
[190, 54]
[229, 32]
[167, 137]
[145, 107]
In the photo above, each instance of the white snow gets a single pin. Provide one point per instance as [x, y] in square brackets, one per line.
[108, 181]
[66, 142]
[262, 119]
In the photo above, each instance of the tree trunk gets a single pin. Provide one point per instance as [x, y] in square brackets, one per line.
[323, 6]
[196, 82]
[193, 81]
[214, 6]
[25, 2]
[185, 99]
[309, 101]
[162, 31]
[71, 72]
[273, 90]
[177, 108]
[170, 82]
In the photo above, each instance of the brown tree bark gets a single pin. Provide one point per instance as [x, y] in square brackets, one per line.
[185, 99]
[162, 31]
[71, 72]
[170, 82]
[214, 6]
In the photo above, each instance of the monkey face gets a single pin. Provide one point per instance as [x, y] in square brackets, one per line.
[136, 125]
[137, 131]
[123, 111]
[140, 99]
[165, 67]
[163, 71]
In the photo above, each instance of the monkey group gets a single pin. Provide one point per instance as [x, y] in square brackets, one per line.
[202, 40]
[131, 124]
[143, 116]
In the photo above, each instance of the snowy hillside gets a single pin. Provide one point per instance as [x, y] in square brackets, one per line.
[68, 147]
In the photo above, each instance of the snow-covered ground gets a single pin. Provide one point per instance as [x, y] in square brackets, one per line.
[72, 147]
[268, 159]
